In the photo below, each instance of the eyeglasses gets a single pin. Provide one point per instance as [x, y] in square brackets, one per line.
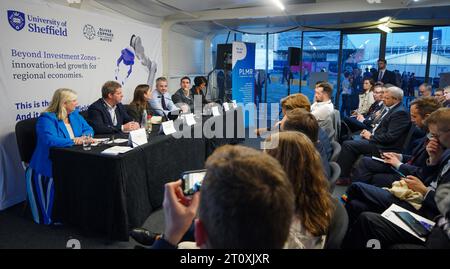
[430, 135]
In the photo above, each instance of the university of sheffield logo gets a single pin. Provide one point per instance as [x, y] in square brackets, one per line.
[16, 19]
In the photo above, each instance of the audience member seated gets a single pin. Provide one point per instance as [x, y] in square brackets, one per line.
[447, 97]
[439, 95]
[235, 176]
[60, 125]
[107, 115]
[299, 100]
[425, 90]
[323, 108]
[142, 94]
[387, 135]
[360, 122]
[184, 97]
[383, 174]
[371, 225]
[302, 121]
[363, 197]
[366, 99]
[161, 101]
[314, 207]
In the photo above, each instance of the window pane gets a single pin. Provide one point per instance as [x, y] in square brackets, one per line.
[440, 57]
[359, 53]
[320, 60]
[406, 55]
[282, 78]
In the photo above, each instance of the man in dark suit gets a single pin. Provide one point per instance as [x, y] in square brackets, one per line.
[360, 121]
[383, 75]
[383, 174]
[387, 135]
[107, 115]
[374, 226]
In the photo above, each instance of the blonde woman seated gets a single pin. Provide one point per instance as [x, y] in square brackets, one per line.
[314, 206]
[60, 125]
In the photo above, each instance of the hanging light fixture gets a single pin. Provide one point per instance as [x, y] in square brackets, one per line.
[384, 26]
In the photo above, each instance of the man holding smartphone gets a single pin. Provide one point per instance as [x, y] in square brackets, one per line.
[371, 225]
[363, 197]
[235, 176]
[384, 173]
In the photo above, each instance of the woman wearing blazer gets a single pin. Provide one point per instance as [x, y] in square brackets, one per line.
[60, 125]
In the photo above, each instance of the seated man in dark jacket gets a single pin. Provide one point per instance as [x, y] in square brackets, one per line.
[360, 121]
[300, 120]
[362, 197]
[374, 226]
[184, 96]
[107, 115]
[383, 174]
[387, 135]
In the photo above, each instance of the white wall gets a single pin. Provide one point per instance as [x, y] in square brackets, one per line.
[185, 58]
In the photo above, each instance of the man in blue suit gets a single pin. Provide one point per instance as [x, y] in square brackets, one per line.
[387, 135]
[383, 174]
[107, 115]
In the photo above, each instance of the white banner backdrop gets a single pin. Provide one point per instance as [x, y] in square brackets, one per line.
[44, 47]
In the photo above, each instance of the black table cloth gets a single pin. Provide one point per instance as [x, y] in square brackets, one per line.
[110, 195]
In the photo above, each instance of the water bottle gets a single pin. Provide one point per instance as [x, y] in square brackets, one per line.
[144, 119]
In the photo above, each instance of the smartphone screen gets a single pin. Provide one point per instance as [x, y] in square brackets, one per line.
[413, 223]
[192, 181]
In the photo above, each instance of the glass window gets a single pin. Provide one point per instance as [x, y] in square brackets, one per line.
[359, 52]
[320, 60]
[406, 55]
[440, 55]
[283, 78]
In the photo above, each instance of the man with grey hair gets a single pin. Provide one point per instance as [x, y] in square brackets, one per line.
[433, 185]
[425, 90]
[387, 135]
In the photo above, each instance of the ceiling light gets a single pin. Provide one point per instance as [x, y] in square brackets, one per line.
[278, 4]
[385, 28]
[385, 19]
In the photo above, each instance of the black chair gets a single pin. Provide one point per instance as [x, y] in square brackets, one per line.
[26, 139]
[338, 228]
[26, 142]
[335, 174]
[336, 151]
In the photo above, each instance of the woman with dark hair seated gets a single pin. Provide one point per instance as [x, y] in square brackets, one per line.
[142, 94]
[60, 125]
[200, 84]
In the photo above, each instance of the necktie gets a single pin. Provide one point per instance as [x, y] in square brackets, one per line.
[380, 75]
[163, 103]
[386, 110]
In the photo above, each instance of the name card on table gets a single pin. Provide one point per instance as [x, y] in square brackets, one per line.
[137, 137]
[190, 120]
[234, 104]
[215, 111]
[226, 106]
[168, 127]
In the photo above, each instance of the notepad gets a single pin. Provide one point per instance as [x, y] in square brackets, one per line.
[116, 150]
[392, 217]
